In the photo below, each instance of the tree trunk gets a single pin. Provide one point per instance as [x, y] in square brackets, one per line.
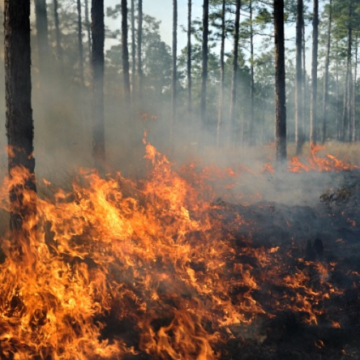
[280, 94]
[235, 71]
[42, 34]
[326, 76]
[139, 48]
[305, 85]
[353, 113]
[125, 51]
[222, 74]
[347, 92]
[57, 32]
[299, 85]
[88, 25]
[174, 67]
[97, 62]
[189, 51]
[80, 43]
[19, 120]
[133, 46]
[204, 70]
[313, 116]
[252, 82]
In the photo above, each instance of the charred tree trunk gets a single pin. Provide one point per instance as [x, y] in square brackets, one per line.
[280, 94]
[174, 66]
[97, 62]
[139, 48]
[252, 82]
[19, 120]
[133, 46]
[313, 115]
[80, 43]
[125, 50]
[88, 25]
[347, 92]
[57, 32]
[189, 54]
[42, 34]
[222, 74]
[299, 86]
[204, 71]
[326, 76]
[235, 71]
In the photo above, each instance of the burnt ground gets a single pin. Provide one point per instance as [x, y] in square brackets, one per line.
[325, 234]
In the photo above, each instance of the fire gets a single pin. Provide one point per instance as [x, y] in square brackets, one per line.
[119, 267]
[317, 163]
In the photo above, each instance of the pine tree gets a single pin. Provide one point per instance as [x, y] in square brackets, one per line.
[97, 62]
[19, 120]
[280, 93]
[125, 51]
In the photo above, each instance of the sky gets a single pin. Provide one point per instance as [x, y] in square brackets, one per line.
[162, 10]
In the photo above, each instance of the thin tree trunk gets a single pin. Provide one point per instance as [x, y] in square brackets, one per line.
[189, 54]
[313, 116]
[125, 50]
[235, 71]
[347, 92]
[326, 76]
[305, 85]
[97, 62]
[139, 48]
[353, 114]
[57, 32]
[19, 120]
[252, 82]
[299, 86]
[174, 67]
[222, 74]
[42, 34]
[80, 43]
[204, 70]
[133, 46]
[88, 25]
[280, 94]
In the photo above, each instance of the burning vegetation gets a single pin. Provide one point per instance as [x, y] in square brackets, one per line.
[163, 268]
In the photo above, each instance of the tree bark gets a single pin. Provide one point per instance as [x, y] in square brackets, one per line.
[133, 46]
[189, 54]
[313, 115]
[326, 76]
[139, 48]
[42, 34]
[57, 32]
[280, 94]
[222, 74]
[97, 62]
[19, 120]
[80, 43]
[125, 50]
[235, 71]
[174, 66]
[299, 85]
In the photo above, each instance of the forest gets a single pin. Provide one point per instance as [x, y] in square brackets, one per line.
[192, 199]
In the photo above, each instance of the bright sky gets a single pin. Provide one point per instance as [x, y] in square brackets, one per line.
[162, 10]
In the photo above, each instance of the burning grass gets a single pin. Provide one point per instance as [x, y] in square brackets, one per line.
[164, 269]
